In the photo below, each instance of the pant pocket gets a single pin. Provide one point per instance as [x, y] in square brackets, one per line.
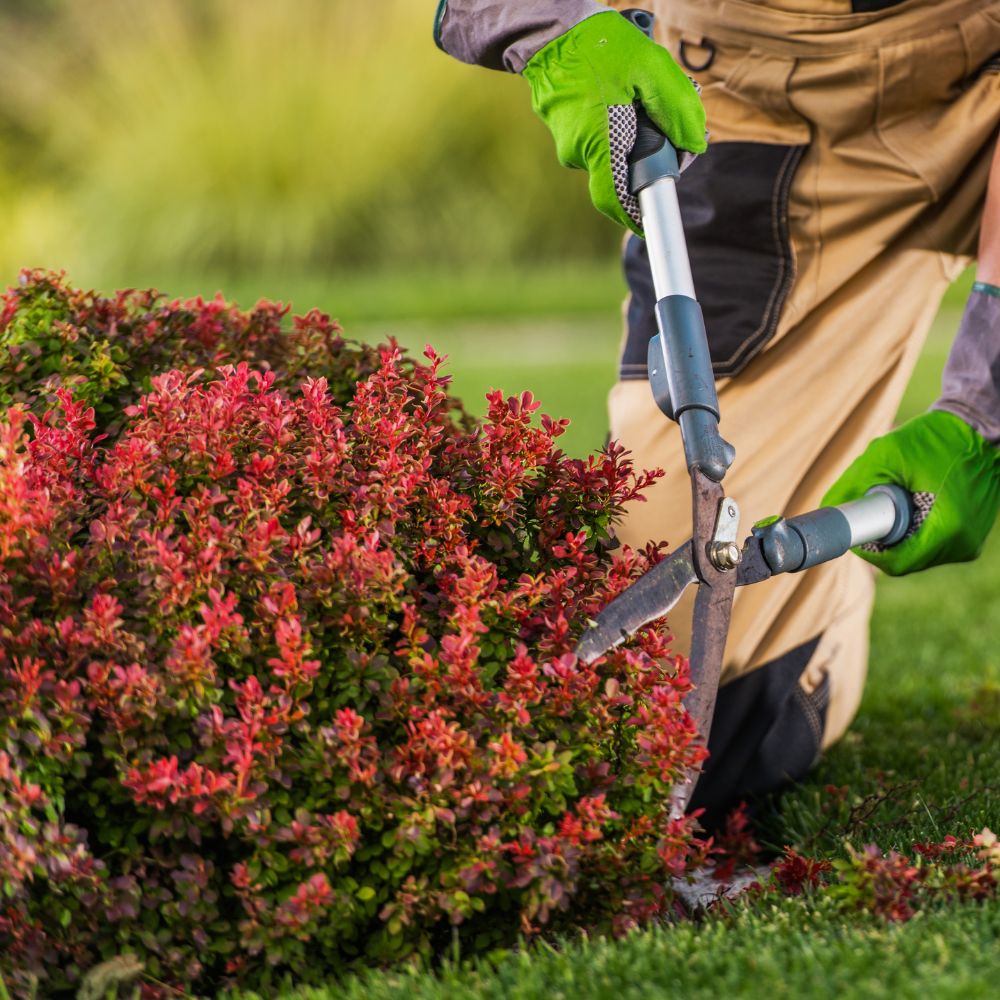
[919, 117]
[981, 34]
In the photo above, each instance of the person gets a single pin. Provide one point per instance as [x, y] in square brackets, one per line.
[843, 190]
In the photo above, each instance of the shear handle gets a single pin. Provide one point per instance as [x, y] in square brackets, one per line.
[883, 516]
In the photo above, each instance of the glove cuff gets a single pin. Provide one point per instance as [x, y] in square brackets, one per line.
[970, 386]
[506, 35]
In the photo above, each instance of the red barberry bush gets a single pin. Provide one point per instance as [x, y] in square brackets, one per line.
[106, 349]
[286, 672]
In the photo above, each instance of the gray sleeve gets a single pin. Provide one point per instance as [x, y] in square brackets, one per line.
[970, 387]
[505, 34]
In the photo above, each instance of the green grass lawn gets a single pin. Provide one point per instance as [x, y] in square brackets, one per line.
[800, 949]
[921, 761]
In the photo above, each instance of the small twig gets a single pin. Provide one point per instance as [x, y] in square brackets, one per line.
[861, 813]
[956, 807]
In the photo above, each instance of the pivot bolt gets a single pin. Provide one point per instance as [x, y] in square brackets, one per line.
[725, 556]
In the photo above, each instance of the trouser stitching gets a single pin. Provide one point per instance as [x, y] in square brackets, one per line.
[811, 714]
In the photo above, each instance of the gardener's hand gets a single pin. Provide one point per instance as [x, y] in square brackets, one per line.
[583, 85]
[954, 476]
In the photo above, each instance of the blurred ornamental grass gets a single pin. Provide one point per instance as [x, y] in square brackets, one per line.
[143, 140]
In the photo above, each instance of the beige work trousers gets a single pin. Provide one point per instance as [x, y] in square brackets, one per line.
[898, 111]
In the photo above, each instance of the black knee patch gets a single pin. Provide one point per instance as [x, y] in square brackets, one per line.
[766, 734]
[734, 205]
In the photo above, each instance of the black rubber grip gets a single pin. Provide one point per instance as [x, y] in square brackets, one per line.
[648, 138]
[642, 19]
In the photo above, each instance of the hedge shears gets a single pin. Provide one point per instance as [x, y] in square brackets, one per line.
[683, 385]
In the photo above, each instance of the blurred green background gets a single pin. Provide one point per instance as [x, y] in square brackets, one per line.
[323, 153]
[248, 140]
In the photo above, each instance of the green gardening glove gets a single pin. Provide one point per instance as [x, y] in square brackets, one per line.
[583, 84]
[954, 475]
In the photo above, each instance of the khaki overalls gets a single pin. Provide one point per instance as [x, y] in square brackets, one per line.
[841, 194]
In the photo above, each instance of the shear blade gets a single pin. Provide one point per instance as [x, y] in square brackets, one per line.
[652, 596]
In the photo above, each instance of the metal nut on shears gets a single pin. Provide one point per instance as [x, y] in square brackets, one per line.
[725, 556]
